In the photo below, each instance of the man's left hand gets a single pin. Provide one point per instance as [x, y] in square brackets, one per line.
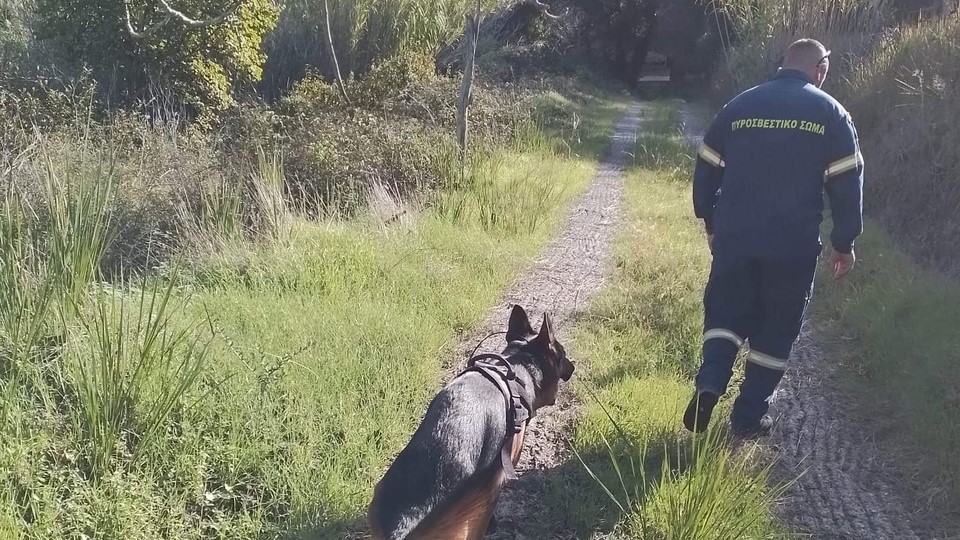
[842, 263]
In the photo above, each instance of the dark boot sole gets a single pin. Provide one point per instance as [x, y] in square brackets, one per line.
[762, 429]
[698, 413]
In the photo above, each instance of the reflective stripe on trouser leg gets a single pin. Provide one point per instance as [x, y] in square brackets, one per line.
[723, 333]
[766, 360]
[758, 386]
[720, 347]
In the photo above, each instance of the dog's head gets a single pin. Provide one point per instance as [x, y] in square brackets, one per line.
[548, 354]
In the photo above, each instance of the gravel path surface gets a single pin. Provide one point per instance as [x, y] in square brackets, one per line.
[573, 268]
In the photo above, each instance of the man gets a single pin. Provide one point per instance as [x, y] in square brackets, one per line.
[761, 172]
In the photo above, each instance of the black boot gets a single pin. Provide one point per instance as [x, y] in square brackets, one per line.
[760, 429]
[697, 416]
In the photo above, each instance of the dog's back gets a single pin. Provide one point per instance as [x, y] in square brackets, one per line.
[445, 482]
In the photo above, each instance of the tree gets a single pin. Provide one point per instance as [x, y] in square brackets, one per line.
[618, 33]
[200, 52]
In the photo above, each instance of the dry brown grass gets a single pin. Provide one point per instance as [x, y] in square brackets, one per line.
[904, 99]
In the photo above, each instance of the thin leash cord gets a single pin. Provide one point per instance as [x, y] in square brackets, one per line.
[482, 341]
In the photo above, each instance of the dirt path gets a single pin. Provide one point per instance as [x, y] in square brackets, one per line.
[844, 488]
[848, 489]
[573, 268]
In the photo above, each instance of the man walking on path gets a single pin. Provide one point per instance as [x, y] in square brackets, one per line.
[761, 173]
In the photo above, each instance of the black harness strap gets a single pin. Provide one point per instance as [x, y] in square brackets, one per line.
[496, 368]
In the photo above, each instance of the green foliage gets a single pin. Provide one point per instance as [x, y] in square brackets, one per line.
[514, 199]
[201, 67]
[618, 33]
[365, 32]
[397, 77]
[908, 117]
[397, 134]
[133, 372]
[894, 323]
[134, 424]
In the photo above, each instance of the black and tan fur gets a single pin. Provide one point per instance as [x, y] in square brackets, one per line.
[445, 484]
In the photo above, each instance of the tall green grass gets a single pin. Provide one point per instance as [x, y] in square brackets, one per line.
[907, 116]
[756, 35]
[258, 390]
[500, 195]
[645, 477]
[132, 371]
[88, 376]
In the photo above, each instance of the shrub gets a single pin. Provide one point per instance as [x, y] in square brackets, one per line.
[907, 109]
[202, 67]
[365, 32]
[757, 34]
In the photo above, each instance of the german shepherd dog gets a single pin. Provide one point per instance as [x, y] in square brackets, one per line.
[445, 484]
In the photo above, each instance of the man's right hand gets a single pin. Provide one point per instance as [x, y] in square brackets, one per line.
[842, 263]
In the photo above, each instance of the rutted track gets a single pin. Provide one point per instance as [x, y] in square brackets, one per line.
[845, 488]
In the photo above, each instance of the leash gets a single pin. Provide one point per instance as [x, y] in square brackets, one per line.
[498, 371]
[482, 341]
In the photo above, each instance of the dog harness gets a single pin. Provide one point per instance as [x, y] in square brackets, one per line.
[496, 369]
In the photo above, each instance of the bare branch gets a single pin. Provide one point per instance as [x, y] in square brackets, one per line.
[193, 23]
[146, 31]
[544, 8]
[333, 55]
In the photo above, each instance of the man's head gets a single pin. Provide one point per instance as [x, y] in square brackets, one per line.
[810, 57]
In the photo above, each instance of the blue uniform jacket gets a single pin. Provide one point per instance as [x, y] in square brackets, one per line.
[764, 164]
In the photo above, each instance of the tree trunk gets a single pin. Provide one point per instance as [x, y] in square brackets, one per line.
[466, 89]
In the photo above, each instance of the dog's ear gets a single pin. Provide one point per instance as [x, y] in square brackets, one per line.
[564, 364]
[519, 329]
[546, 335]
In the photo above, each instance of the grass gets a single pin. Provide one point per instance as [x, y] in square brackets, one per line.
[908, 121]
[258, 391]
[640, 345]
[756, 35]
[894, 324]
[368, 311]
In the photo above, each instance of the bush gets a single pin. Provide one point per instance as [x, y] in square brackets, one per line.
[365, 32]
[202, 67]
[907, 109]
[758, 35]
[398, 132]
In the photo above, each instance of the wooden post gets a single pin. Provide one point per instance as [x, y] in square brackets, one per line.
[466, 89]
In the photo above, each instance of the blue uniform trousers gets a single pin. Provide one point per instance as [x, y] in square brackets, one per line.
[759, 302]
